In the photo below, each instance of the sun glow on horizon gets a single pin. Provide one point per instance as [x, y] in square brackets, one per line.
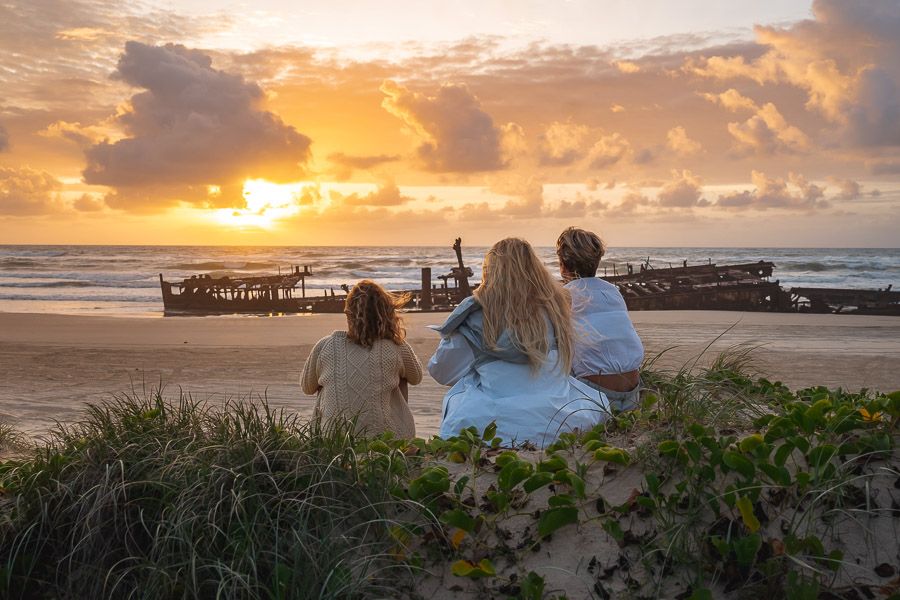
[266, 203]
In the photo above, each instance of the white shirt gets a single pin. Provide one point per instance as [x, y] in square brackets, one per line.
[605, 339]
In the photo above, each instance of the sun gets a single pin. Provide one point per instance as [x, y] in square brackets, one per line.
[266, 204]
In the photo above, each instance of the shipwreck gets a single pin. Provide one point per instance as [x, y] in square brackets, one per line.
[740, 287]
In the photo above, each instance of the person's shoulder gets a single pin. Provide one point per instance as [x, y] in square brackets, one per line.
[463, 311]
[334, 336]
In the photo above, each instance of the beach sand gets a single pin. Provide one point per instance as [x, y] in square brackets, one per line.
[51, 365]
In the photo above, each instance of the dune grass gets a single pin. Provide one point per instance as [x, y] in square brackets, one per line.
[146, 498]
[742, 487]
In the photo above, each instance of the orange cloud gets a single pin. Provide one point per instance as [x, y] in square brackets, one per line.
[26, 192]
[455, 134]
[193, 126]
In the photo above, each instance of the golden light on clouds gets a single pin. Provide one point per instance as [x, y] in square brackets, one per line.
[115, 120]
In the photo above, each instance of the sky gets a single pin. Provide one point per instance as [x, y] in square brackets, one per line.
[410, 122]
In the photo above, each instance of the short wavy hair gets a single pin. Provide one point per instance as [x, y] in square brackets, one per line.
[372, 314]
[580, 251]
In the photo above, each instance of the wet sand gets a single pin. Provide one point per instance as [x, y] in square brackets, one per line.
[51, 365]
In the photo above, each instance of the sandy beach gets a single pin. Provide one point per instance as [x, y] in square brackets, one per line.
[51, 365]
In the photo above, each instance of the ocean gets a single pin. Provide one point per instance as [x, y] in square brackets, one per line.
[124, 280]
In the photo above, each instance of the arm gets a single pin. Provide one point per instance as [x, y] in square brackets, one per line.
[410, 367]
[452, 359]
[309, 380]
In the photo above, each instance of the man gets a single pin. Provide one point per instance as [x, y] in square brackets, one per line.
[608, 351]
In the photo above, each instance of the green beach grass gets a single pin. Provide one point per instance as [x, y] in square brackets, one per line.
[723, 484]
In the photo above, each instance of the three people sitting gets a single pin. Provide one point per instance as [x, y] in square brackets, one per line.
[523, 351]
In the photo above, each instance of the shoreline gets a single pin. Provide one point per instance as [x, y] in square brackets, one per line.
[54, 364]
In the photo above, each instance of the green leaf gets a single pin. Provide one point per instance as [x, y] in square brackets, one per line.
[613, 455]
[458, 518]
[701, 594]
[466, 568]
[460, 485]
[749, 443]
[537, 481]
[735, 461]
[745, 506]
[506, 457]
[819, 456]
[532, 587]
[781, 455]
[434, 480]
[490, 431]
[500, 500]
[561, 500]
[668, 447]
[552, 464]
[513, 473]
[776, 473]
[746, 548]
[653, 483]
[592, 445]
[554, 518]
[614, 529]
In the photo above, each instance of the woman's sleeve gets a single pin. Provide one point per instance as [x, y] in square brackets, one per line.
[410, 367]
[309, 380]
[452, 359]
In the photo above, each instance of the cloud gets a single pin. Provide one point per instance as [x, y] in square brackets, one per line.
[731, 99]
[455, 133]
[768, 133]
[845, 59]
[347, 163]
[626, 66]
[848, 189]
[88, 203]
[773, 193]
[387, 194]
[82, 135]
[193, 126]
[562, 143]
[4, 139]
[677, 141]
[684, 191]
[617, 108]
[27, 192]
[607, 151]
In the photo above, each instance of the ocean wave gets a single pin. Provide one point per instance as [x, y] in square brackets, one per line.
[79, 298]
[224, 266]
[49, 284]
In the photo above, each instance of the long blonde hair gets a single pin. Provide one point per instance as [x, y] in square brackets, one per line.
[516, 293]
[372, 314]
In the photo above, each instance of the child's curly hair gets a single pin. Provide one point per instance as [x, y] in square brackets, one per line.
[372, 314]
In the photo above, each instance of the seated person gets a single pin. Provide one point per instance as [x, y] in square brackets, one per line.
[507, 352]
[608, 351]
[362, 373]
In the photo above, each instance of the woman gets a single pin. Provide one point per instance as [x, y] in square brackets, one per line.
[361, 373]
[607, 351]
[507, 352]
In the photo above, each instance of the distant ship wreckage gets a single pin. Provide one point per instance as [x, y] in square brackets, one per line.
[744, 287]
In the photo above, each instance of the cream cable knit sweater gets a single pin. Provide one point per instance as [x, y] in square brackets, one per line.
[354, 381]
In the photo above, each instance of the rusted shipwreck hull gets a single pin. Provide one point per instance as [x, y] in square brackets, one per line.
[710, 287]
[837, 300]
[203, 294]
[742, 287]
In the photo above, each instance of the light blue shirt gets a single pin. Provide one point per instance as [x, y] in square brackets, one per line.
[605, 339]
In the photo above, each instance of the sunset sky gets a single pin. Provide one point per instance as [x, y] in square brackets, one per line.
[655, 123]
